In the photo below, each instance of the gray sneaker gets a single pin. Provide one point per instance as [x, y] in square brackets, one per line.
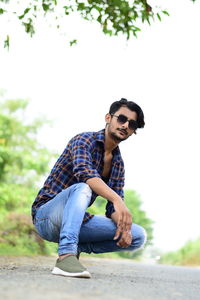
[70, 267]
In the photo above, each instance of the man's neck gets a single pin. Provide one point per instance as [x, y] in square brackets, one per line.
[110, 143]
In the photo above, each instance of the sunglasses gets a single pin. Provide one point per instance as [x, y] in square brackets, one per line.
[121, 119]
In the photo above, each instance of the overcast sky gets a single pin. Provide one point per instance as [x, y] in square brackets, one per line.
[159, 70]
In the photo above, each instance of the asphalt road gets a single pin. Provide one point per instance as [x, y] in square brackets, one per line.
[27, 278]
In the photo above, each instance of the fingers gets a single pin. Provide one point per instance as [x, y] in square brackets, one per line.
[117, 233]
[125, 239]
[125, 221]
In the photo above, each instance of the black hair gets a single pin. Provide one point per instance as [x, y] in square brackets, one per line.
[115, 106]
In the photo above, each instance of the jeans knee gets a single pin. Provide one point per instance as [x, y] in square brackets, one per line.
[84, 188]
[143, 238]
[139, 236]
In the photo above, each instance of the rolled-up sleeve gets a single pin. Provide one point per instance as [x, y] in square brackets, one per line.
[109, 209]
[83, 167]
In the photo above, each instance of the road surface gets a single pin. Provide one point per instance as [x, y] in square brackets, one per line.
[29, 278]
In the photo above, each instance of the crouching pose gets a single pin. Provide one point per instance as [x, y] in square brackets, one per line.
[90, 165]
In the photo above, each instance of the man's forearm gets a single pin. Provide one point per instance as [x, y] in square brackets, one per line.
[122, 217]
[103, 190]
[115, 217]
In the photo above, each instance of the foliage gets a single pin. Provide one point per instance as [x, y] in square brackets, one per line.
[22, 162]
[22, 159]
[114, 16]
[18, 237]
[134, 203]
[20, 153]
[187, 255]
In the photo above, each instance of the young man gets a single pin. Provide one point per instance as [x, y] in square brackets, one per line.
[90, 165]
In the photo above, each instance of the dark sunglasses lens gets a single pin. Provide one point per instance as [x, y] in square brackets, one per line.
[132, 125]
[122, 119]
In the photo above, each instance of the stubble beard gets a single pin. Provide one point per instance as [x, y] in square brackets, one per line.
[116, 138]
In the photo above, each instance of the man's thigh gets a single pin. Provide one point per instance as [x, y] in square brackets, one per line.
[49, 216]
[98, 228]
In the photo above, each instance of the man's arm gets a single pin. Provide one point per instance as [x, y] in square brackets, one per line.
[122, 217]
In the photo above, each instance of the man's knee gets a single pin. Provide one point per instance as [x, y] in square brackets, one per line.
[139, 236]
[84, 188]
[143, 237]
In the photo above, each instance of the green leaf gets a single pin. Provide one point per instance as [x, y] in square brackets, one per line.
[29, 28]
[81, 6]
[99, 19]
[7, 42]
[159, 17]
[25, 12]
[73, 42]
[165, 12]
[46, 7]
[2, 11]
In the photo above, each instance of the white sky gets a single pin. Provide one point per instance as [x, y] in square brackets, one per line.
[159, 70]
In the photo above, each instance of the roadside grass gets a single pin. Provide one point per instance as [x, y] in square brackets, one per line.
[188, 255]
[18, 237]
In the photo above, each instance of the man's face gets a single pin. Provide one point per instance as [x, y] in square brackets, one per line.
[120, 132]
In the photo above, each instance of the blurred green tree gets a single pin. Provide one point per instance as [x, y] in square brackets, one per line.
[22, 159]
[22, 163]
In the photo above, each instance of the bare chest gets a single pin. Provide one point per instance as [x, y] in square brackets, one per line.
[107, 165]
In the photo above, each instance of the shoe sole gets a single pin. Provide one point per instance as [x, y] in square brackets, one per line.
[57, 271]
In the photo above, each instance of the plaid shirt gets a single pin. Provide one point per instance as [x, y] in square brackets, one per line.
[82, 159]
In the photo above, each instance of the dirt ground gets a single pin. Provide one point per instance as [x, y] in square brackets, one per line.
[30, 278]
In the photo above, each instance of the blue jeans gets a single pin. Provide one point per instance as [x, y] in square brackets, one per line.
[60, 220]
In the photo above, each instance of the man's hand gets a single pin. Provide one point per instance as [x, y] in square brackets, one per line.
[122, 217]
[125, 239]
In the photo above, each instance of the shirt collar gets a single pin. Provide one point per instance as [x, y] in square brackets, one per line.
[100, 136]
